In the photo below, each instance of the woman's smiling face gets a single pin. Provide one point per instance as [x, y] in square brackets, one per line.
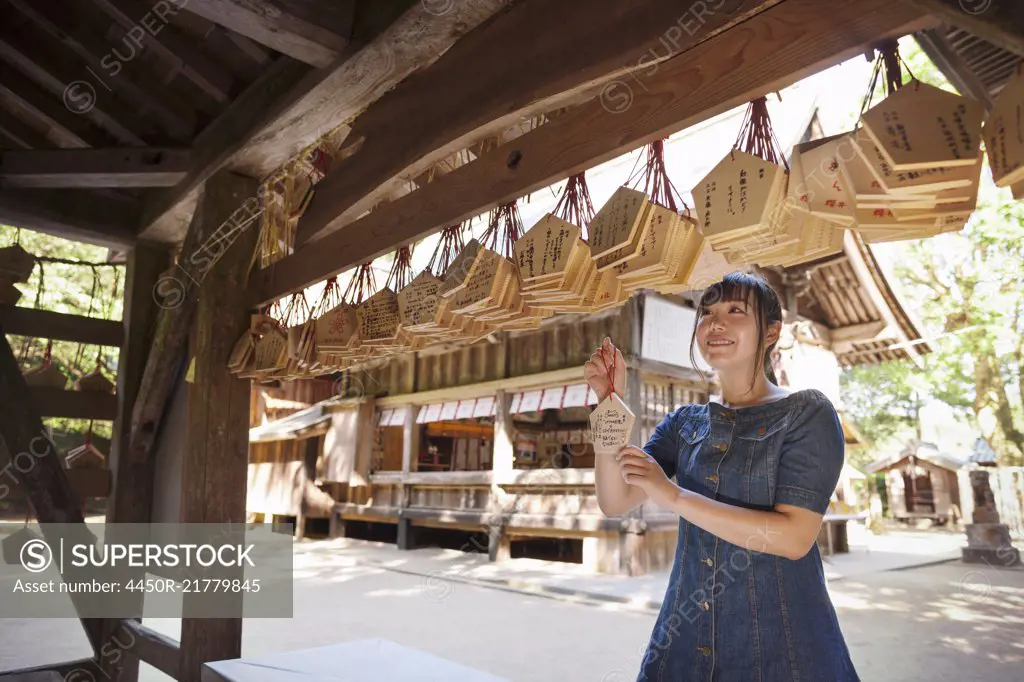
[728, 333]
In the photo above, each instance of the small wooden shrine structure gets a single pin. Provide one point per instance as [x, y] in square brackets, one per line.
[922, 482]
[177, 132]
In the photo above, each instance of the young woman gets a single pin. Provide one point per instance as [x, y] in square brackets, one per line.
[747, 599]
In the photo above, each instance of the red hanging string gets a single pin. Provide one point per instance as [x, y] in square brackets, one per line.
[362, 285]
[575, 206]
[611, 373]
[401, 270]
[654, 177]
[48, 355]
[448, 246]
[757, 136]
[504, 228]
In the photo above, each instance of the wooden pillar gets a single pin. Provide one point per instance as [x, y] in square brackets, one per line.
[502, 465]
[307, 477]
[410, 450]
[131, 500]
[216, 457]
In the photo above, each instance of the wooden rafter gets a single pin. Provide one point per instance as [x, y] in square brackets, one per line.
[126, 167]
[81, 215]
[1000, 22]
[300, 104]
[597, 40]
[23, 134]
[280, 87]
[147, 24]
[34, 55]
[144, 93]
[950, 63]
[73, 130]
[770, 51]
[311, 32]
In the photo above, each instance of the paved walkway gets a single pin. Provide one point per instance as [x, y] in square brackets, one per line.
[943, 622]
[440, 568]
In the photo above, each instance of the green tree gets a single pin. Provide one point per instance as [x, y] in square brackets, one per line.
[68, 288]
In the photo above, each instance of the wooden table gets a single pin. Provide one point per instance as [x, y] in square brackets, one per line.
[365, 660]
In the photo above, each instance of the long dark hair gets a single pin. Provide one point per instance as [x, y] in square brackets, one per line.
[738, 286]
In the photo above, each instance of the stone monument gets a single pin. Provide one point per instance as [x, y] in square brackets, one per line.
[988, 540]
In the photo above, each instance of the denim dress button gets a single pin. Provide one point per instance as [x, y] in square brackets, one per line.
[706, 650]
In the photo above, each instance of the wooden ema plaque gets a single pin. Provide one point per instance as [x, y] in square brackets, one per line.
[659, 242]
[337, 328]
[16, 264]
[1004, 134]
[685, 260]
[611, 424]
[417, 302]
[271, 351]
[617, 224]
[546, 249]
[821, 185]
[920, 126]
[9, 294]
[925, 181]
[738, 196]
[457, 273]
[378, 318]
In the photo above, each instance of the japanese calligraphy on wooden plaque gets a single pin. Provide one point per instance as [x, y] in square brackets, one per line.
[1004, 133]
[920, 126]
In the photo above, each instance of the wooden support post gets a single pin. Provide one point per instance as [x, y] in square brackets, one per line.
[132, 496]
[410, 450]
[502, 464]
[33, 463]
[216, 458]
[307, 477]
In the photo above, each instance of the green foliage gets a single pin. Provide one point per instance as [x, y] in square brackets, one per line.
[73, 289]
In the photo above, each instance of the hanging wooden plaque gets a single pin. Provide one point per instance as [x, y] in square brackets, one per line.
[927, 181]
[9, 294]
[16, 263]
[418, 300]
[618, 223]
[738, 195]
[920, 126]
[46, 376]
[546, 248]
[271, 351]
[457, 273]
[1004, 132]
[827, 192]
[337, 328]
[611, 424]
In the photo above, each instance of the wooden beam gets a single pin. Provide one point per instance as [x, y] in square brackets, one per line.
[43, 477]
[44, 324]
[54, 402]
[79, 215]
[858, 332]
[74, 130]
[312, 32]
[267, 131]
[215, 462]
[35, 54]
[131, 500]
[1000, 22]
[281, 85]
[26, 136]
[149, 646]
[950, 63]
[147, 94]
[84, 482]
[143, 23]
[770, 51]
[126, 167]
[177, 297]
[614, 38]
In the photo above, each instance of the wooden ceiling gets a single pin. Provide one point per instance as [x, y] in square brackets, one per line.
[114, 112]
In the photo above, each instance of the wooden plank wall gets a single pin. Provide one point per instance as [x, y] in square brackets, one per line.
[567, 343]
[662, 396]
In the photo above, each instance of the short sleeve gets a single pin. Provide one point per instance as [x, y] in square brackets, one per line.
[663, 445]
[812, 456]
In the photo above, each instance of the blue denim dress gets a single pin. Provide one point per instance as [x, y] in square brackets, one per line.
[731, 614]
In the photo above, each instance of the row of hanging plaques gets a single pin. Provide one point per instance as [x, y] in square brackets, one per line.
[910, 169]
